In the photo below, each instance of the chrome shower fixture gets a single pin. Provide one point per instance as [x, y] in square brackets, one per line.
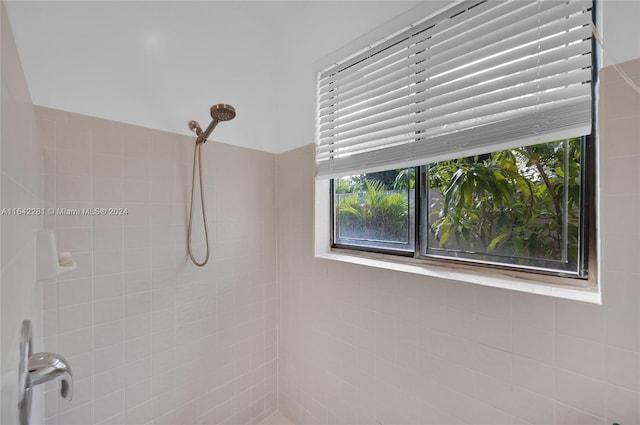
[219, 112]
[36, 369]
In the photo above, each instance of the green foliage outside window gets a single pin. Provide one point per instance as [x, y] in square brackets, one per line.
[509, 203]
[372, 210]
[522, 203]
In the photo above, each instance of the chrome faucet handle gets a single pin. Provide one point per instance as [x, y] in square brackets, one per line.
[36, 369]
[24, 386]
[45, 367]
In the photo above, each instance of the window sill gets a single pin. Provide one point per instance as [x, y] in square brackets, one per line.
[588, 294]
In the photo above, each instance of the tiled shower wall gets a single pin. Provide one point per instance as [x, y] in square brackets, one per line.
[371, 346]
[151, 338]
[21, 187]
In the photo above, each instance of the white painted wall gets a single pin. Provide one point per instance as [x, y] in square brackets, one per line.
[620, 30]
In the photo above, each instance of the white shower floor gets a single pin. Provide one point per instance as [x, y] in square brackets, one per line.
[276, 418]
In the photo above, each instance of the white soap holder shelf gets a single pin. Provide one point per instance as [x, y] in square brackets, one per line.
[48, 260]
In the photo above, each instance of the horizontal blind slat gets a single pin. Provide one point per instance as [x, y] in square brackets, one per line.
[438, 120]
[472, 69]
[513, 73]
[548, 48]
[500, 135]
[416, 44]
[455, 57]
[485, 34]
[420, 30]
[478, 103]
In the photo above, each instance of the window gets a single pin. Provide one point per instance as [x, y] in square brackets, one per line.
[466, 138]
[376, 210]
[521, 208]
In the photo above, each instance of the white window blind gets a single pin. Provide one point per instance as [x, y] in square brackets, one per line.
[480, 77]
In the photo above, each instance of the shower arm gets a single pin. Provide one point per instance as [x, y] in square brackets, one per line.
[203, 135]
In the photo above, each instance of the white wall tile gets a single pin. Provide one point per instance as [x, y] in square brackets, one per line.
[137, 237]
[137, 303]
[109, 191]
[533, 408]
[107, 238]
[72, 292]
[461, 296]
[494, 362]
[137, 349]
[139, 415]
[494, 332]
[108, 382]
[580, 320]
[568, 415]
[138, 394]
[580, 356]
[533, 375]
[108, 310]
[494, 303]
[461, 323]
[581, 392]
[70, 220]
[107, 166]
[76, 342]
[72, 162]
[107, 286]
[137, 259]
[486, 414]
[622, 405]
[74, 136]
[114, 420]
[108, 406]
[108, 334]
[137, 371]
[533, 311]
[622, 321]
[107, 262]
[75, 317]
[73, 188]
[137, 212]
[108, 358]
[533, 343]
[136, 191]
[80, 415]
[76, 239]
[622, 368]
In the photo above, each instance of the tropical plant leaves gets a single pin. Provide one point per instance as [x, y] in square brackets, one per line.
[503, 202]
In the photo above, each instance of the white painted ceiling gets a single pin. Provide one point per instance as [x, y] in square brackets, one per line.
[159, 64]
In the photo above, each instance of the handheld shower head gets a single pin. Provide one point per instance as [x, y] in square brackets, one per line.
[219, 112]
[223, 112]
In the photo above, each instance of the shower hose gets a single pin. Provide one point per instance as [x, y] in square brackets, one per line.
[197, 161]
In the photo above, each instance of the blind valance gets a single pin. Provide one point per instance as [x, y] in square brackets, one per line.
[479, 77]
